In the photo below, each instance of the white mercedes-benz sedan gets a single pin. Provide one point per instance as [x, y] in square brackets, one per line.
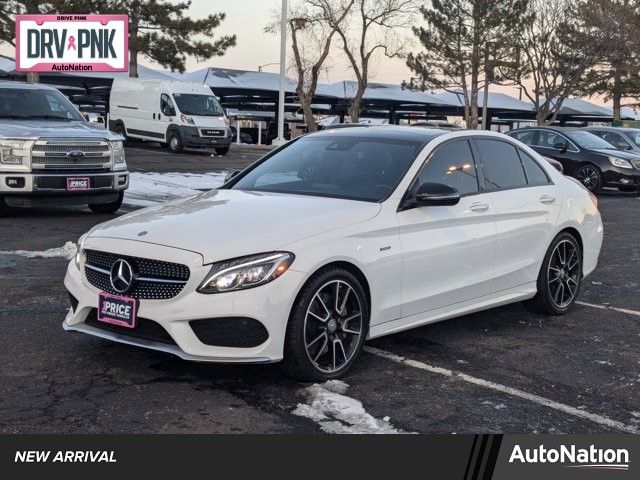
[338, 237]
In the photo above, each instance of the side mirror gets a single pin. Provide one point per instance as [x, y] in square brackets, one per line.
[168, 112]
[231, 175]
[560, 146]
[436, 194]
[623, 146]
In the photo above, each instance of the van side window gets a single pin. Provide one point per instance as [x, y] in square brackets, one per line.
[166, 106]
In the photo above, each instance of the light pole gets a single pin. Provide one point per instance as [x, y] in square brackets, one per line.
[283, 80]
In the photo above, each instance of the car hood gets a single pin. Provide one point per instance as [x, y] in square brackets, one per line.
[618, 153]
[53, 128]
[224, 224]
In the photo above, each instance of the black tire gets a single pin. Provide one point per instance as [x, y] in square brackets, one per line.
[112, 207]
[175, 142]
[222, 151]
[304, 324]
[590, 176]
[554, 280]
[121, 130]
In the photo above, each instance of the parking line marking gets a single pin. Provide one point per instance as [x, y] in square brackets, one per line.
[608, 307]
[514, 392]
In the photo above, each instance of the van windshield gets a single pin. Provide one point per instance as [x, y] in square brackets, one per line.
[36, 104]
[199, 105]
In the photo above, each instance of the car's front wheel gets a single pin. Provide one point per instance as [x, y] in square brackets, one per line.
[327, 326]
[560, 277]
[590, 176]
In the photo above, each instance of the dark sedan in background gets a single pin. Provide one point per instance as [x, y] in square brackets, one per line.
[620, 137]
[585, 156]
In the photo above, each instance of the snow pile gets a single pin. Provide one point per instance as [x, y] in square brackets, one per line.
[334, 412]
[147, 189]
[67, 251]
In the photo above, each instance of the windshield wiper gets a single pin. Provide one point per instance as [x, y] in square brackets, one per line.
[45, 117]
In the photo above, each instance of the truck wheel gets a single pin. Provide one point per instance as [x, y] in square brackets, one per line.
[112, 207]
[175, 142]
[2, 206]
[222, 151]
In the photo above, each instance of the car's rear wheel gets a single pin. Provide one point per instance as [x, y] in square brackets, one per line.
[560, 277]
[327, 326]
[590, 176]
[111, 207]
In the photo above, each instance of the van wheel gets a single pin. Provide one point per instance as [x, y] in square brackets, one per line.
[112, 207]
[175, 142]
[559, 279]
[222, 151]
[327, 327]
[120, 130]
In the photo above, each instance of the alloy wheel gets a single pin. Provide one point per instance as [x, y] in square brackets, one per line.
[588, 177]
[333, 326]
[563, 274]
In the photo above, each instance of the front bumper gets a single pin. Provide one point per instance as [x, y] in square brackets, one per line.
[269, 304]
[36, 188]
[192, 137]
[616, 177]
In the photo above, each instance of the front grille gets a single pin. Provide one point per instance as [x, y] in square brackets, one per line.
[213, 132]
[636, 163]
[48, 154]
[145, 329]
[60, 182]
[155, 279]
[235, 332]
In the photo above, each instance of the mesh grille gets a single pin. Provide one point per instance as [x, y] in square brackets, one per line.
[237, 332]
[143, 267]
[145, 329]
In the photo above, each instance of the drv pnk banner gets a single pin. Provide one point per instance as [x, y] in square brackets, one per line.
[72, 43]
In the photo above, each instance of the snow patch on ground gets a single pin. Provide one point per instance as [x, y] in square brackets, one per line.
[146, 189]
[67, 251]
[334, 412]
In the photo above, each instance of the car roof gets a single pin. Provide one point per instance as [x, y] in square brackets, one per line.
[25, 86]
[552, 129]
[384, 132]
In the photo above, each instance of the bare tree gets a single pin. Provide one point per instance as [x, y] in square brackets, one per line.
[554, 63]
[311, 26]
[373, 27]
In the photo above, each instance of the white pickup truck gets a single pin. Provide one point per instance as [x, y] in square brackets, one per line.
[50, 155]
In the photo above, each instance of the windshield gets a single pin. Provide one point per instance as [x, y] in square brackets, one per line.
[589, 140]
[199, 105]
[36, 104]
[350, 167]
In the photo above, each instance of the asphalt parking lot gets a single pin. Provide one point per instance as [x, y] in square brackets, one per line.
[504, 370]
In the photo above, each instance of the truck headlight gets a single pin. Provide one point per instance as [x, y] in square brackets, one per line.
[619, 162]
[117, 151]
[246, 272]
[9, 152]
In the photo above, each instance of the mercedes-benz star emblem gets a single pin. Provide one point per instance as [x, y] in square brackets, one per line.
[121, 276]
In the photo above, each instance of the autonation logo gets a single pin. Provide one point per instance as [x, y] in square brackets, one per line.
[574, 457]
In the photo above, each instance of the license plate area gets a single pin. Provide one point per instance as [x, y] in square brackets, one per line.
[117, 310]
[78, 184]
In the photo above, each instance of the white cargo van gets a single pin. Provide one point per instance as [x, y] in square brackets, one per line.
[177, 114]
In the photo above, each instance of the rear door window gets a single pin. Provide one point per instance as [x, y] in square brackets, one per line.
[534, 172]
[501, 164]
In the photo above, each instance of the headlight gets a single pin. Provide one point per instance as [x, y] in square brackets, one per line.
[79, 249]
[9, 154]
[246, 272]
[619, 162]
[117, 151]
[186, 119]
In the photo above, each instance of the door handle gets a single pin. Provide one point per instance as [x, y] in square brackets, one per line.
[479, 207]
[547, 199]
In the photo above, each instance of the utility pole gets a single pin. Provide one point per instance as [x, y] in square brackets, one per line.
[283, 71]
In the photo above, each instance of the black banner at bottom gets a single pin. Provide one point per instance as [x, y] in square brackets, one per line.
[459, 457]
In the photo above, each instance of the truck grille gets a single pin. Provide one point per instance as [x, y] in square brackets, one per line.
[62, 154]
[155, 279]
